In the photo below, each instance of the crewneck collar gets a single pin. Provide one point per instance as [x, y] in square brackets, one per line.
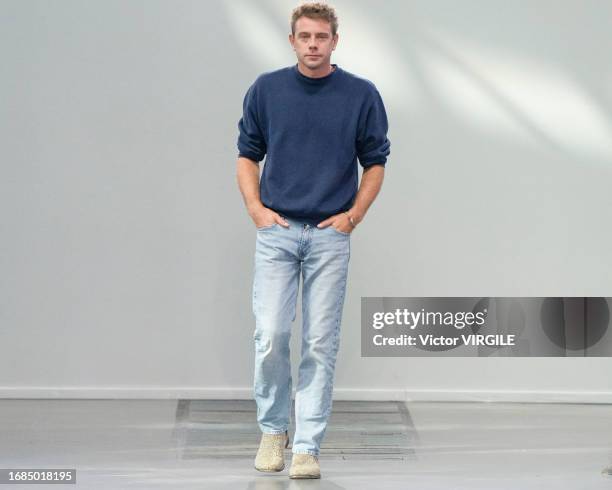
[316, 80]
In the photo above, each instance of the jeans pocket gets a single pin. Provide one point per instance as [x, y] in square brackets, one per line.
[340, 232]
[267, 227]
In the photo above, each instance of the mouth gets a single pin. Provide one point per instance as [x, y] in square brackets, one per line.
[313, 56]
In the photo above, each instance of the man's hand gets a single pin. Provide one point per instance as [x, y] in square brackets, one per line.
[263, 216]
[340, 222]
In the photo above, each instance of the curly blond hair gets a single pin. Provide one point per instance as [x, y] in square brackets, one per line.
[315, 10]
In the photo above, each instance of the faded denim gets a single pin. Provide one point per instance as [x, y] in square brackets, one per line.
[282, 255]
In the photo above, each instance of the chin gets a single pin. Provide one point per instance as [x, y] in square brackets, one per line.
[310, 63]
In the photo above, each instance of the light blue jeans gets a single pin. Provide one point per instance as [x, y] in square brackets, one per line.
[321, 257]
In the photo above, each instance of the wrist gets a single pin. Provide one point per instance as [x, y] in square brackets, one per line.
[356, 215]
[254, 207]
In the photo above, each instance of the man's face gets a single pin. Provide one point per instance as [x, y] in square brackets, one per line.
[313, 42]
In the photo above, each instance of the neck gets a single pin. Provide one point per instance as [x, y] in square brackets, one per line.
[318, 72]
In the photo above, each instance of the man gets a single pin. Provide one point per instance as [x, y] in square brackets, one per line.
[314, 121]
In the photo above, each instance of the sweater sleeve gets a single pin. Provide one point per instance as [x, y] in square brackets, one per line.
[373, 146]
[251, 141]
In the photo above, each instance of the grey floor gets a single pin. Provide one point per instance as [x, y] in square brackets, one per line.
[197, 444]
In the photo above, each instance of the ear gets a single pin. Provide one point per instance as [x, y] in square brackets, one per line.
[291, 40]
[336, 37]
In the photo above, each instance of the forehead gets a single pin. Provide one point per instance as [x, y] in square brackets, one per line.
[306, 24]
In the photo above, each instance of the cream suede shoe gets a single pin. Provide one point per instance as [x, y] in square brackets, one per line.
[304, 466]
[270, 455]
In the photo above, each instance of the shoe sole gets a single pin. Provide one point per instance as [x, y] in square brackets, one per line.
[268, 471]
[304, 477]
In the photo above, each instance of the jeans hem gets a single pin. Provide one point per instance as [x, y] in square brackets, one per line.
[269, 431]
[305, 451]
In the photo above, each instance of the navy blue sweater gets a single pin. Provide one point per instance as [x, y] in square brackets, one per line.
[312, 130]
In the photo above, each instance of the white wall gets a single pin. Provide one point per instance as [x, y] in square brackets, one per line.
[126, 254]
